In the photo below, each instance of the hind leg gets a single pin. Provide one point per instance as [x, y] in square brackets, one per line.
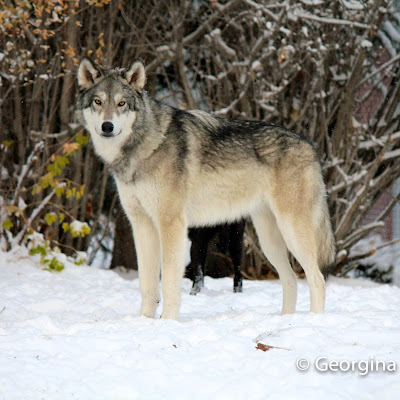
[300, 239]
[236, 250]
[197, 257]
[198, 252]
[274, 248]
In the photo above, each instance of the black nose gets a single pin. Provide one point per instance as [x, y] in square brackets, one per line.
[107, 127]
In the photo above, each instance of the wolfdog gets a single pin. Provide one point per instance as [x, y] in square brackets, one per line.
[176, 169]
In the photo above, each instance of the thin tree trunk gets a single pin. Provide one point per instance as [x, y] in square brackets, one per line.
[124, 253]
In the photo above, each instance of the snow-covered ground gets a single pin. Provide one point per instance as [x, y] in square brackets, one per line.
[76, 335]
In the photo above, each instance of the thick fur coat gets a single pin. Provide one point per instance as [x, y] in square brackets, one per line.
[176, 169]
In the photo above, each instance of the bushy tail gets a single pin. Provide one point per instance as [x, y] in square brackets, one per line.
[325, 242]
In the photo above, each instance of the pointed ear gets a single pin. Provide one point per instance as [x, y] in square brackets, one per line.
[88, 72]
[136, 75]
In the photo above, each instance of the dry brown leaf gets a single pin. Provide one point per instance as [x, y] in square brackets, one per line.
[70, 147]
[266, 347]
[263, 347]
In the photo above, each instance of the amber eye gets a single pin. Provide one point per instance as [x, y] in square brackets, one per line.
[121, 103]
[98, 102]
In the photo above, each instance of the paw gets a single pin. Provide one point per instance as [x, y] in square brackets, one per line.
[196, 288]
[148, 310]
[238, 289]
[170, 313]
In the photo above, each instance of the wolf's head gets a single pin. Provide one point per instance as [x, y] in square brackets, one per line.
[108, 98]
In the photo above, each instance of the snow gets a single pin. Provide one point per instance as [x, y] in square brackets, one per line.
[312, 2]
[384, 258]
[353, 4]
[387, 43]
[216, 35]
[256, 66]
[78, 225]
[392, 31]
[366, 44]
[76, 335]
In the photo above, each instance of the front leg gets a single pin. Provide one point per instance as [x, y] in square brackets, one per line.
[147, 243]
[173, 235]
